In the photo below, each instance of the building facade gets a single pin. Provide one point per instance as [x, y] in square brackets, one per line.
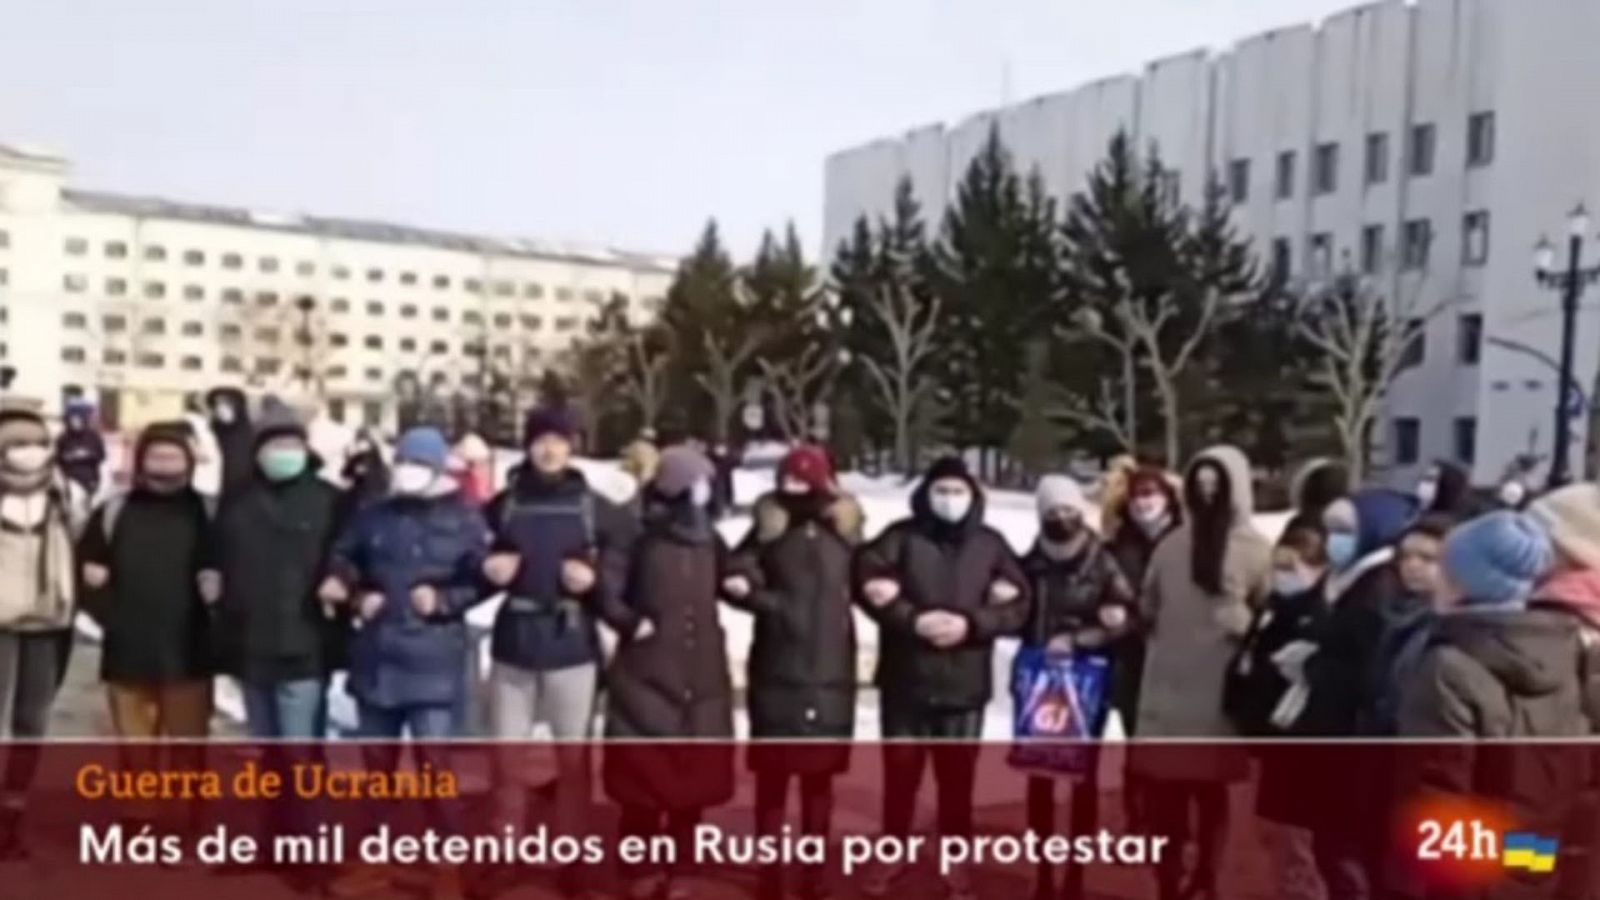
[1429, 144]
[138, 303]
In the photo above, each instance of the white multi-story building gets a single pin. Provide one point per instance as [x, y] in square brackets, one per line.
[1429, 143]
[141, 302]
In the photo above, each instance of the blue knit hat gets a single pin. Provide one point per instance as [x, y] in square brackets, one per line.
[1497, 559]
[425, 446]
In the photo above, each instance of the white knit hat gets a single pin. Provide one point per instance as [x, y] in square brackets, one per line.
[1572, 517]
[1059, 492]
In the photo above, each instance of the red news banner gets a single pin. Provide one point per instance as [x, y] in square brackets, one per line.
[185, 820]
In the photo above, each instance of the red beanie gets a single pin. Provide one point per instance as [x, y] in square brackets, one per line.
[810, 464]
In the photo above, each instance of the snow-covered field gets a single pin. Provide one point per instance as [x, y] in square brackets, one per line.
[883, 499]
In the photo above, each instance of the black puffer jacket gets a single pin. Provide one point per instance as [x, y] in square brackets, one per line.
[802, 665]
[235, 440]
[272, 542]
[945, 567]
[1068, 594]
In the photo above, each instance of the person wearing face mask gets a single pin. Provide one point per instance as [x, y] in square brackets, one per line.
[1081, 604]
[1317, 484]
[81, 450]
[272, 541]
[1205, 581]
[149, 555]
[792, 573]
[669, 677]
[1150, 511]
[1514, 495]
[1417, 567]
[364, 476]
[1446, 488]
[39, 513]
[228, 417]
[942, 586]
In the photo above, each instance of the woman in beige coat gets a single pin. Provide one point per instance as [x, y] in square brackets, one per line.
[1204, 582]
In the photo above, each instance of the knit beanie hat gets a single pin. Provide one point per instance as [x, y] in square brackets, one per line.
[946, 467]
[810, 465]
[1497, 559]
[424, 446]
[1571, 516]
[548, 420]
[679, 469]
[278, 420]
[1059, 492]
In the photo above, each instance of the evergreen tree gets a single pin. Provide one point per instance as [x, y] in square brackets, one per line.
[1037, 440]
[711, 324]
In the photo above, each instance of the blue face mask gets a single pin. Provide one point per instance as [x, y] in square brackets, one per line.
[1341, 549]
[1290, 583]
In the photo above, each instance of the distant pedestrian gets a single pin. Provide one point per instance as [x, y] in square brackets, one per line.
[81, 450]
[228, 413]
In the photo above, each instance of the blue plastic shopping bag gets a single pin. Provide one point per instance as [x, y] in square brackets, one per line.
[1060, 702]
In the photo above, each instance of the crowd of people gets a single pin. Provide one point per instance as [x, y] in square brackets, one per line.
[1375, 613]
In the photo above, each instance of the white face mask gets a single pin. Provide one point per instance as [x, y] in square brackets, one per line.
[950, 507]
[1149, 508]
[1512, 493]
[1427, 491]
[28, 457]
[223, 413]
[700, 494]
[412, 479]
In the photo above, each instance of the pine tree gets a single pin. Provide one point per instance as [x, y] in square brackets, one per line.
[713, 331]
[1037, 440]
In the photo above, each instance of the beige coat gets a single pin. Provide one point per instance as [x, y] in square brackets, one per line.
[37, 578]
[1194, 633]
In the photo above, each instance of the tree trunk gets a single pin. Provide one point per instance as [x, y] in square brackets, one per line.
[1169, 415]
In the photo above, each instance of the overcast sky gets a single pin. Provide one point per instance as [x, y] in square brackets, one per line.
[625, 122]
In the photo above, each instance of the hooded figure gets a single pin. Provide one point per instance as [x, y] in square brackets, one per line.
[81, 450]
[39, 514]
[149, 556]
[1447, 488]
[942, 586]
[228, 414]
[273, 537]
[365, 474]
[1151, 510]
[1317, 484]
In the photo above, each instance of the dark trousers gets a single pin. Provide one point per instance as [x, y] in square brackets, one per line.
[910, 734]
[1085, 805]
[32, 665]
[816, 818]
[678, 825]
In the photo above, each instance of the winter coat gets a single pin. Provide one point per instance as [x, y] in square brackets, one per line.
[156, 626]
[272, 544]
[1131, 546]
[1192, 634]
[945, 568]
[401, 658]
[1254, 685]
[1069, 593]
[1344, 675]
[674, 682]
[802, 661]
[547, 522]
[236, 441]
[38, 569]
[81, 452]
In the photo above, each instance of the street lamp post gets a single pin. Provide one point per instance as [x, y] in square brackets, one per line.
[1570, 283]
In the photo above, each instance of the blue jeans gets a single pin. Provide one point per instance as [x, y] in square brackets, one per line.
[388, 723]
[287, 709]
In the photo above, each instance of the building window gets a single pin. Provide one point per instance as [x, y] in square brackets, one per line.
[268, 264]
[116, 250]
[113, 357]
[408, 345]
[150, 360]
[337, 372]
[232, 261]
[375, 275]
[338, 339]
[504, 289]
[194, 257]
[533, 290]
[1415, 351]
[1464, 432]
[1371, 249]
[472, 317]
[305, 268]
[75, 284]
[190, 364]
[439, 347]
[155, 253]
[230, 332]
[194, 292]
[5, 239]
[232, 364]
[564, 295]
[74, 321]
[154, 327]
[595, 297]
[502, 352]
[374, 374]
[266, 298]
[1325, 171]
[1239, 181]
[441, 314]
[340, 305]
[1282, 258]
[341, 272]
[193, 329]
[1480, 139]
[1416, 241]
[5, 277]
[116, 287]
[1419, 156]
[472, 286]
[532, 322]
[73, 354]
[1407, 441]
[373, 342]
[1377, 163]
[408, 311]
[232, 295]
[441, 281]
[566, 323]
[1469, 339]
[1320, 262]
[374, 308]
[1475, 238]
[77, 246]
[268, 365]
[155, 290]
[267, 335]
[408, 278]
[502, 320]
[113, 324]
[1283, 184]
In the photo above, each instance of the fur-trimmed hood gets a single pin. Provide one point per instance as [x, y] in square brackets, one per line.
[844, 514]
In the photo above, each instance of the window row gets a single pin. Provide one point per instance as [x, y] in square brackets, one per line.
[1420, 156]
[1408, 440]
[1415, 250]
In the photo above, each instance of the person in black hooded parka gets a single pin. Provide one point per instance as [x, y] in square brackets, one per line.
[229, 415]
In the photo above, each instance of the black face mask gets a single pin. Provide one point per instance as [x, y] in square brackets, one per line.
[806, 506]
[164, 484]
[1058, 531]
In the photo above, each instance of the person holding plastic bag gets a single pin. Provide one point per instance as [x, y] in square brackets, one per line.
[1081, 603]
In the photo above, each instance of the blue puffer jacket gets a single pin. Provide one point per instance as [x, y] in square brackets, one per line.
[401, 658]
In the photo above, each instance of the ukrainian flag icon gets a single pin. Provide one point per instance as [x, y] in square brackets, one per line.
[1529, 852]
